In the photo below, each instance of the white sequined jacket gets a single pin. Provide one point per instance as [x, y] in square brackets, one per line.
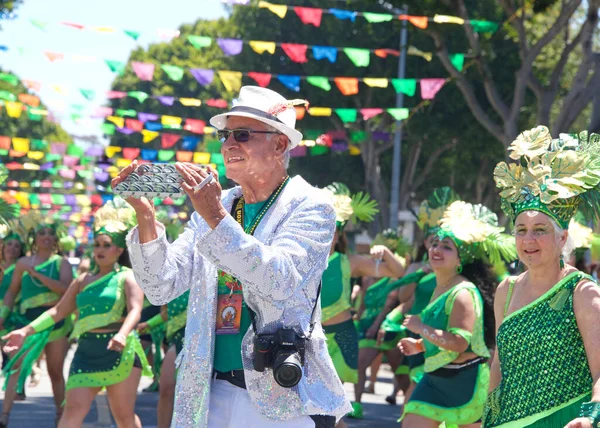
[280, 268]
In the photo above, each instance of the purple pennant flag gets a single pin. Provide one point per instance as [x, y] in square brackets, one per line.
[381, 136]
[147, 117]
[104, 166]
[58, 148]
[339, 146]
[101, 176]
[164, 100]
[70, 200]
[46, 166]
[125, 131]
[95, 151]
[68, 184]
[230, 47]
[298, 151]
[203, 75]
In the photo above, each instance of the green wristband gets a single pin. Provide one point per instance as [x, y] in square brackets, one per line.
[155, 321]
[4, 311]
[41, 323]
[591, 410]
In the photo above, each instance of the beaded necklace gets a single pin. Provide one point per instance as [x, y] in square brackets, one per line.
[240, 205]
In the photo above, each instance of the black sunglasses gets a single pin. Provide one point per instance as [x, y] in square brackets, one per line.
[239, 135]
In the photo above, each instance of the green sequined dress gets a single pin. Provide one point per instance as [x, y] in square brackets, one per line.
[544, 367]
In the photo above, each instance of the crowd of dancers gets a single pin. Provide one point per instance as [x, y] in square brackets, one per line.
[480, 327]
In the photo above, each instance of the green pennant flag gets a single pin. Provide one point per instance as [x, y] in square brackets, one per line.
[398, 113]
[374, 18]
[7, 96]
[58, 184]
[52, 171]
[180, 201]
[74, 150]
[318, 150]
[406, 86]
[213, 146]
[319, 82]
[88, 94]
[57, 198]
[77, 107]
[3, 152]
[359, 57]
[358, 136]
[457, 60]
[36, 183]
[51, 157]
[346, 114]
[157, 201]
[9, 78]
[33, 116]
[126, 112]
[38, 145]
[217, 158]
[312, 134]
[165, 155]
[174, 72]
[39, 24]
[86, 160]
[107, 128]
[34, 199]
[138, 95]
[484, 26]
[115, 66]
[199, 41]
[85, 174]
[133, 34]
[172, 126]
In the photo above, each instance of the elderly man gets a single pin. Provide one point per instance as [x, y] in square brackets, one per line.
[252, 257]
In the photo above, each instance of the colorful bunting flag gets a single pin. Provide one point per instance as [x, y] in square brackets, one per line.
[319, 111]
[263, 79]
[309, 15]
[115, 94]
[138, 95]
[319, 81]
[115, 66]
[376, 82]
[232, 80]
[445, 19]
[383, 53]
[290, 82]
[278, 9]
[484, 26]
[202, 75]
[9, 78]
[296, 52]
[199, 42]
[261, 47]
[54, 56]
[375, 18]
[430, 87]
[119, 121]
[457, 60]
[133, 34]
[148, 136]
[398, 113]
[189, 142]
[327, 52]
[230, 47]
[184, 156]
[13, 108]
[143, 70]
[131, 153]
[368, 113]
[347, 85]
[406, 86]
[346, 114]
[427, 56]
[30, 100]
[195, 125]
[166, 100]
[88, 94]
[20, 144]
[359, 57]
[202, 158]
[343, 14]
[165, 155]
[169, 140]
[418, 21]
[136, 125]
[190, 102]
[173, 71]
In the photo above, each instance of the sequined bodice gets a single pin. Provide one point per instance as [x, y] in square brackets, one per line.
[542, 357]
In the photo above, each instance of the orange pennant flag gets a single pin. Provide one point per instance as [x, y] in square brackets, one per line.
[29, 99]
[418, 21]
[184, 156]
[347, 85]
[54, 56]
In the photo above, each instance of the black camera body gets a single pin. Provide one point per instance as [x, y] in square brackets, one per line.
[282, 351]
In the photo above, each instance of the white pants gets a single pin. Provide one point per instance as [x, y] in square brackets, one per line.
[230, 407]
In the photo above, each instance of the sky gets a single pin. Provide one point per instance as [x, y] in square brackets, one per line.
[27, 43]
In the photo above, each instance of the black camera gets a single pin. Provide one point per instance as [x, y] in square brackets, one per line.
[283, 352]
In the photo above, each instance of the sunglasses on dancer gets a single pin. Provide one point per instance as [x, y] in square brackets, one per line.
[240, 135]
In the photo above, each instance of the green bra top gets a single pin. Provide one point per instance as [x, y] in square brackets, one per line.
[336, 286]
[423, 293]
[101, 303]
[33, 292]
[177, 312]
[6, 280]
[437, 315]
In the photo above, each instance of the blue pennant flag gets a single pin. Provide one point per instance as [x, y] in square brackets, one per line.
[290, 82]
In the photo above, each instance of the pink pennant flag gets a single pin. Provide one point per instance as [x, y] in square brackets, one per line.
[58, 148]
[73, 25]
[67, 173]
[70, 161]
[194, 125]
[169, 140]
[54, 56]
[263, 79]
[115, 94]
[219, 103]
[167, 34]
[32, 84]
[430, 87]
[309, 15]
[135, 125]
[368, 113]
[143, 70]
[102, 112]
[296, 52]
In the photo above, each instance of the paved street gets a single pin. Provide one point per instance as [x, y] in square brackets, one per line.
[38, 410]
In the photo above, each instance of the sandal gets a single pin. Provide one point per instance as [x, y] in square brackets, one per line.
[4, 420]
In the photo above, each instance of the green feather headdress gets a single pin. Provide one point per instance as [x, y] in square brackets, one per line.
[348, 207]
[432, 209]
[475, 232]
[13, 229]
[115, 218]
[553, 176]
[7, 211]
[34, 221]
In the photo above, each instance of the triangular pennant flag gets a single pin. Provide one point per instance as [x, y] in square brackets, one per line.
[9, 78]
[202, 158]
[427, 56]
[418, 21]
[216, 103]
[36, 155]
[383, 53]
[122, 162]
[319, 111]
[263, 79]
[110, 151]
[189, 142]
[149, 154]
[103, 29]
[309, 15]
[147, 117]
[374, 82]
[125, 131]
[143, 70]
[169, 140]
[125, 112]
[115, 94]
[170, 120]
[40, 145]
[457, 60]
[7, 96]
[375, 18]
[73, 25]
[343, 14]
[347, 85]
[165, 155]
[202, 75]
[152, 126]
[70, 161]
[231, 47]
[290, 82]
[39, 24]
[131, 153]
[261, 47]
[119, 121]
[20, 144]
[319, 82]
[165, 100]
[232, 80]
[30, 100]
[88, 94]
[190, 102]
[184, 156]
[54, 56]
[278, 9]
[195, 125]
[445, 19]
[368, 113]
[13, 108]
[148, 136]
[406, 86]
[107, 128]
[4, 143]
[199, 41]
[430, 87]
[173, 71]
[327, 52]
[115, 66]
[398, 113]
[32, 84]
[135, 125]
[138, 95]
[296, 52]
[346, 114]
[359, 57]
[133, 34]
[484, 26]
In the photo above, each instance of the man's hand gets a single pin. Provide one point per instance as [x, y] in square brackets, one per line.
[207, 200]
[143, 206]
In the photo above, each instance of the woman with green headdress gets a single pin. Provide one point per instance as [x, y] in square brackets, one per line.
[108, 302]
[457, 326]
[40, 279]
[547, 367]
[342, 338]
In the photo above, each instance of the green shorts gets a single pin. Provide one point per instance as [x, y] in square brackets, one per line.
[342, 344]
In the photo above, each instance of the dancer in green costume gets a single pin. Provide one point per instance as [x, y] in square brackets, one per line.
[457, 326]
[547, 369]
[108, 302]
[40, 279]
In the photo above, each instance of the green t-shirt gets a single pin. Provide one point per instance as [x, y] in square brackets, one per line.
[228, 347]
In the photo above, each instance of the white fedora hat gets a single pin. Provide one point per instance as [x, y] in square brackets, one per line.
[266, 106]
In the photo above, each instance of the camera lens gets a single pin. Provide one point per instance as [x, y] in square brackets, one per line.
[287, 369]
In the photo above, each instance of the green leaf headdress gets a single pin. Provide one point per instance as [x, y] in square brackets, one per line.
[115, 218]
[393, 241]
[556, 177]
[33, 221]
[432, 209]
[475, 232]
[348, 207]
[14, 229]
[7, 211]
